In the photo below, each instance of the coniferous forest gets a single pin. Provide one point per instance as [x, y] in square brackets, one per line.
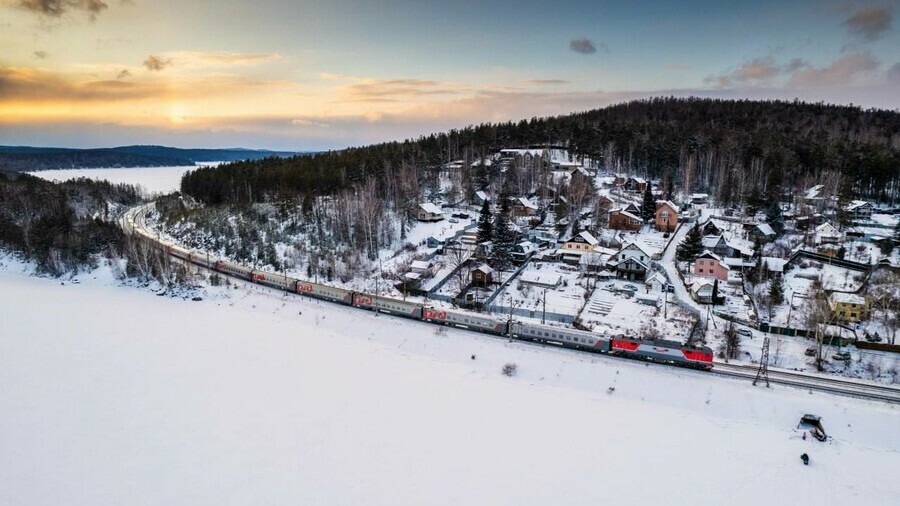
[730, 148]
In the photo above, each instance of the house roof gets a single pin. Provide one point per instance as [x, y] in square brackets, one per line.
[485, 268]
[420, 264]
[660, 203]
[765, 228]
[826, 228]
[430, 208]
[775, 264]
[588, 237]
[643, 248]
[541, 278]
[848, 298]
[656, 277]
[482, 195]
[626, 213]
[856, 204]
[699, 284]
[639, 180]
[522, 201]
[813, 192]
[710, 254]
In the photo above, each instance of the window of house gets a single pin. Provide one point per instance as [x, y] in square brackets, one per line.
[852, 315]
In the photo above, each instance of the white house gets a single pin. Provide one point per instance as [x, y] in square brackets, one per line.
[701, 290]
[826, 233]
[656, 282]
[429, 212]
[859, 210]
[632, 261]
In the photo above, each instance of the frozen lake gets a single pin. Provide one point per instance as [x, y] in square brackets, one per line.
[151, 179]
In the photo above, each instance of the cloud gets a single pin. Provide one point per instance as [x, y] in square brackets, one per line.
[156, 63]
[123, 74]
[393, 90]
[544, 82]
[584, 45]
[869, 23]
[41, 54]
[844, 70]
[31, 85]
[57, 8]
[754, 72]
[220, 58]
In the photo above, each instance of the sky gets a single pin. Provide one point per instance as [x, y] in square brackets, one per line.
[313, 75]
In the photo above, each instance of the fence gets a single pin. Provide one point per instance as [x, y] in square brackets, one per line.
[865, 345]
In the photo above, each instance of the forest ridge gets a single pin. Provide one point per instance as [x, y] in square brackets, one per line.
[725, 147]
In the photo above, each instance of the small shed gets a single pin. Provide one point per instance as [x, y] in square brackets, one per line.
[482, 275]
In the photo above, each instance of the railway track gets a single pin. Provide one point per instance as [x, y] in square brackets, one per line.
[839, 386]
[134, 221]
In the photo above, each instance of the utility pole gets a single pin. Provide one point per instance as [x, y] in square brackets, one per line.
[763, 371]
[544, 312]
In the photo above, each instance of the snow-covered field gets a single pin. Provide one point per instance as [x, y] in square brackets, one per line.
[151, 179]
[112, 395]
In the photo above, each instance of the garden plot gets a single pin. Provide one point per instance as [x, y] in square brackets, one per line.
[564, 293]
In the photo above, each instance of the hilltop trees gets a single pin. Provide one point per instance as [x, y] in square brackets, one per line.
[485, 223]
[691, 247]
[648, 205]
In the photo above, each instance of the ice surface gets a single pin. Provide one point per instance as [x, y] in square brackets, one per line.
[111, 395]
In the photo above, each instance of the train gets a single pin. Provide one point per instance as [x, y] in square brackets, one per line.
[659, 350]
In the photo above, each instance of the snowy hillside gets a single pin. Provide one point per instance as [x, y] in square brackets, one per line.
[112, 395]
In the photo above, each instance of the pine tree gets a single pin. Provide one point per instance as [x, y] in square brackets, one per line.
[776, 291]
[774, 218]
[691, 247]
[503, 237]
[648, 206]
[715, 292]
[754, 201]
[485, 225]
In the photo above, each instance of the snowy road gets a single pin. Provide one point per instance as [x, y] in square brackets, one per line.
[667, 262]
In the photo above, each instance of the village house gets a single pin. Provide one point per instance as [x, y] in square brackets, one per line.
[484, 249]
[429, 212]
[725, 248]
[699, 198]
[482, 275]
[577, 245]
[848, 307]
[656, 283]
[522, 251]
[541, 279]
[481, 197]
[761, 232]
[631, 262]
[702, 291]
[712, 227]
[635, 185]
[711, 266]
[859, 210]
[620, 219]
[421, 267]
[666, 217]
[523, 207]
[826, 233]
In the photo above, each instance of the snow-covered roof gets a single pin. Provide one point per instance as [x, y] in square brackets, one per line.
[412, 276]
[637, 244]
[765, 228]
[699, 195]
[527, 246]
[856, 204]
[626, 213]
[430, 208]
[848, 298]
[588, 237]
[669, 203]
[639, 180]
[522, 201]
[541, 278]
[420, 265]
[482, 195]
[826, 228]
[700, 283]
[657, 277]
[485, 268]
[710, 254]
[813, 193]
[774, 264]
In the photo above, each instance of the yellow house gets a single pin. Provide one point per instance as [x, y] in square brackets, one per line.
[849, 307]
